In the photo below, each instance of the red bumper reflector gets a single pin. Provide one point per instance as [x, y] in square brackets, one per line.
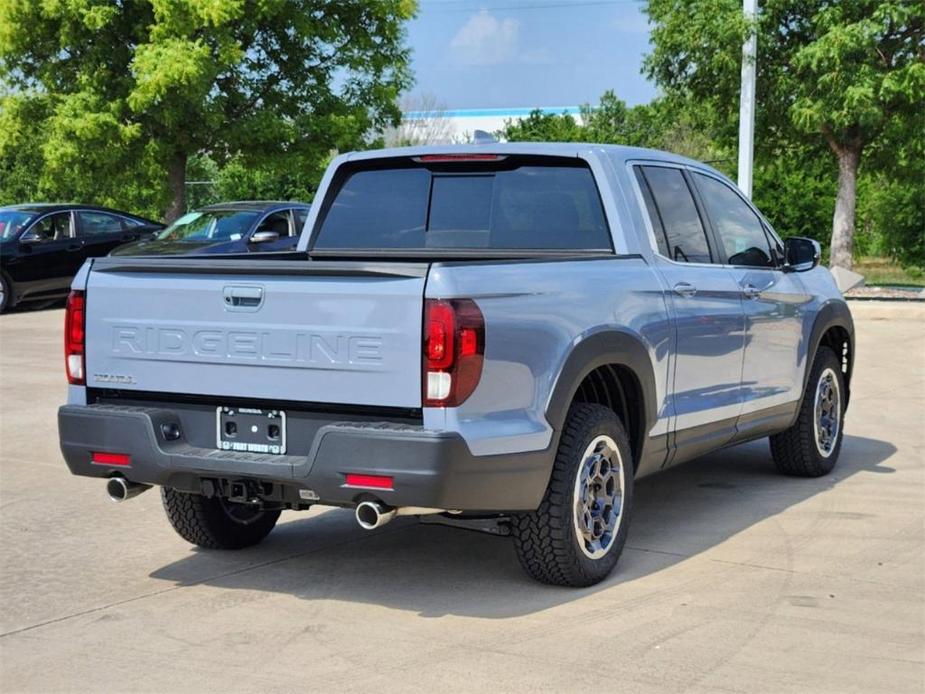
[122, 459]
[374, 481]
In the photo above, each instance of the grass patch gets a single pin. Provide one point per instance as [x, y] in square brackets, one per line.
[886, 271]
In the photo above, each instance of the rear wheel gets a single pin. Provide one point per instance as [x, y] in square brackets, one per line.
[577, 534]
[811, 446]
[6, 297]
[216, 523]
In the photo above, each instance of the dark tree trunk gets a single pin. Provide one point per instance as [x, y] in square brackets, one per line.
[176, 182]
[849, 156]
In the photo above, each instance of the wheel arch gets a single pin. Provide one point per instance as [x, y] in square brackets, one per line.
[611, 368]
[833, 328]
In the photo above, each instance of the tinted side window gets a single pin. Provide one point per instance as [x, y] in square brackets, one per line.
[739, 229]
[98, 223]
[654, 218]
[300, 217]
[278, 222]
[54, 227]
[684, 232]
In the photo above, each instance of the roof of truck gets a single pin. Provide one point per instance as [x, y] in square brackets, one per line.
[558, 149]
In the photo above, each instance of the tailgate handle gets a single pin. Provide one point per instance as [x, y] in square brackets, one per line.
[243, 298]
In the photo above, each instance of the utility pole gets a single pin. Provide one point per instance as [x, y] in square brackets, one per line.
[747, 101]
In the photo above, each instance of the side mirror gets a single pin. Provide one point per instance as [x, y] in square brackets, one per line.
[264, 237]
[27, 241]
[801, 254]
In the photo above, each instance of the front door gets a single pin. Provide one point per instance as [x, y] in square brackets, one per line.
[51, 255]
[707, 311]
[774, 301]
[281, 224]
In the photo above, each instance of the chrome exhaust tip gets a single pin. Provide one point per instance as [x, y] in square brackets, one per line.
[371, 514]
[120, 489]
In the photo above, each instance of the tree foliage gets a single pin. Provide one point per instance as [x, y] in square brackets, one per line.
[104, 94]
[833, 73]
[659, 125]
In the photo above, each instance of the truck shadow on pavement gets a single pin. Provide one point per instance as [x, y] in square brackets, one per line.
[436, 571]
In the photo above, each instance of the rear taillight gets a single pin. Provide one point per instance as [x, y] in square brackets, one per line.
[454, 344]
[74, 321]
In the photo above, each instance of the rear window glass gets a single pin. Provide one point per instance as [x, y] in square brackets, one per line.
[513, 206]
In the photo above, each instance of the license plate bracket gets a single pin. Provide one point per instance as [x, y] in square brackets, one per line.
[250, 430]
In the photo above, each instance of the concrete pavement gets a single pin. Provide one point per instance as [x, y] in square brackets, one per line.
[734, 579]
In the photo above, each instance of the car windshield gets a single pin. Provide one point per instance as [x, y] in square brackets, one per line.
[12, 222]
[221, 225]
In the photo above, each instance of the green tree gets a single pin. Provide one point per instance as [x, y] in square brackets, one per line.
[892, 206]
[793, 188]
[542, 127]
[135, 89]
[830, 72]
[659, 125]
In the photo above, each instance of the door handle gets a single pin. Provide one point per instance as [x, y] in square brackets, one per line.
[75, 246]
[751, 291]
[243, 298]
[685, 289]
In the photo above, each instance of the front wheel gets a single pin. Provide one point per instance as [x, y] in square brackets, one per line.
[576, 535]
[811, 446]
[216, 523]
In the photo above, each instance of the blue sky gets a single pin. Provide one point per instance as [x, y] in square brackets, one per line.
[526, 53]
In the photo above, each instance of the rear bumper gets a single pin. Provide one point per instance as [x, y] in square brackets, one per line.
[429, 468]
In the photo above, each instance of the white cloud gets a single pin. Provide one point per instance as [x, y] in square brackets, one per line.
[486, 40]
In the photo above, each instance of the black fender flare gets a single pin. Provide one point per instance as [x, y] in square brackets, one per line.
[609, 346]
[832, 314]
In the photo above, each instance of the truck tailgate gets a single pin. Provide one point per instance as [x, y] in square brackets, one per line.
[306, 331]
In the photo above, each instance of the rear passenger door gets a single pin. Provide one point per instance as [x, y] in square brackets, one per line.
[707, 310]
[774, 303]
[102, 232]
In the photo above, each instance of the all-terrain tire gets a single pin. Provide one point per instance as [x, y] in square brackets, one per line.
[6, 294]
[547, 540]
[795, 451]
[208, 522]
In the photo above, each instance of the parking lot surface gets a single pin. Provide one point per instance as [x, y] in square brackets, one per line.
[734, 578]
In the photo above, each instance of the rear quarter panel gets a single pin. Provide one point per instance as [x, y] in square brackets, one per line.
[536, 313]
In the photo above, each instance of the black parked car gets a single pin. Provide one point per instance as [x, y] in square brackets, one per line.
[42, 246]
[231, 227]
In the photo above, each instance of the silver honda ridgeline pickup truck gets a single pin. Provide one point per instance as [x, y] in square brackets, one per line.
[502, 337]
